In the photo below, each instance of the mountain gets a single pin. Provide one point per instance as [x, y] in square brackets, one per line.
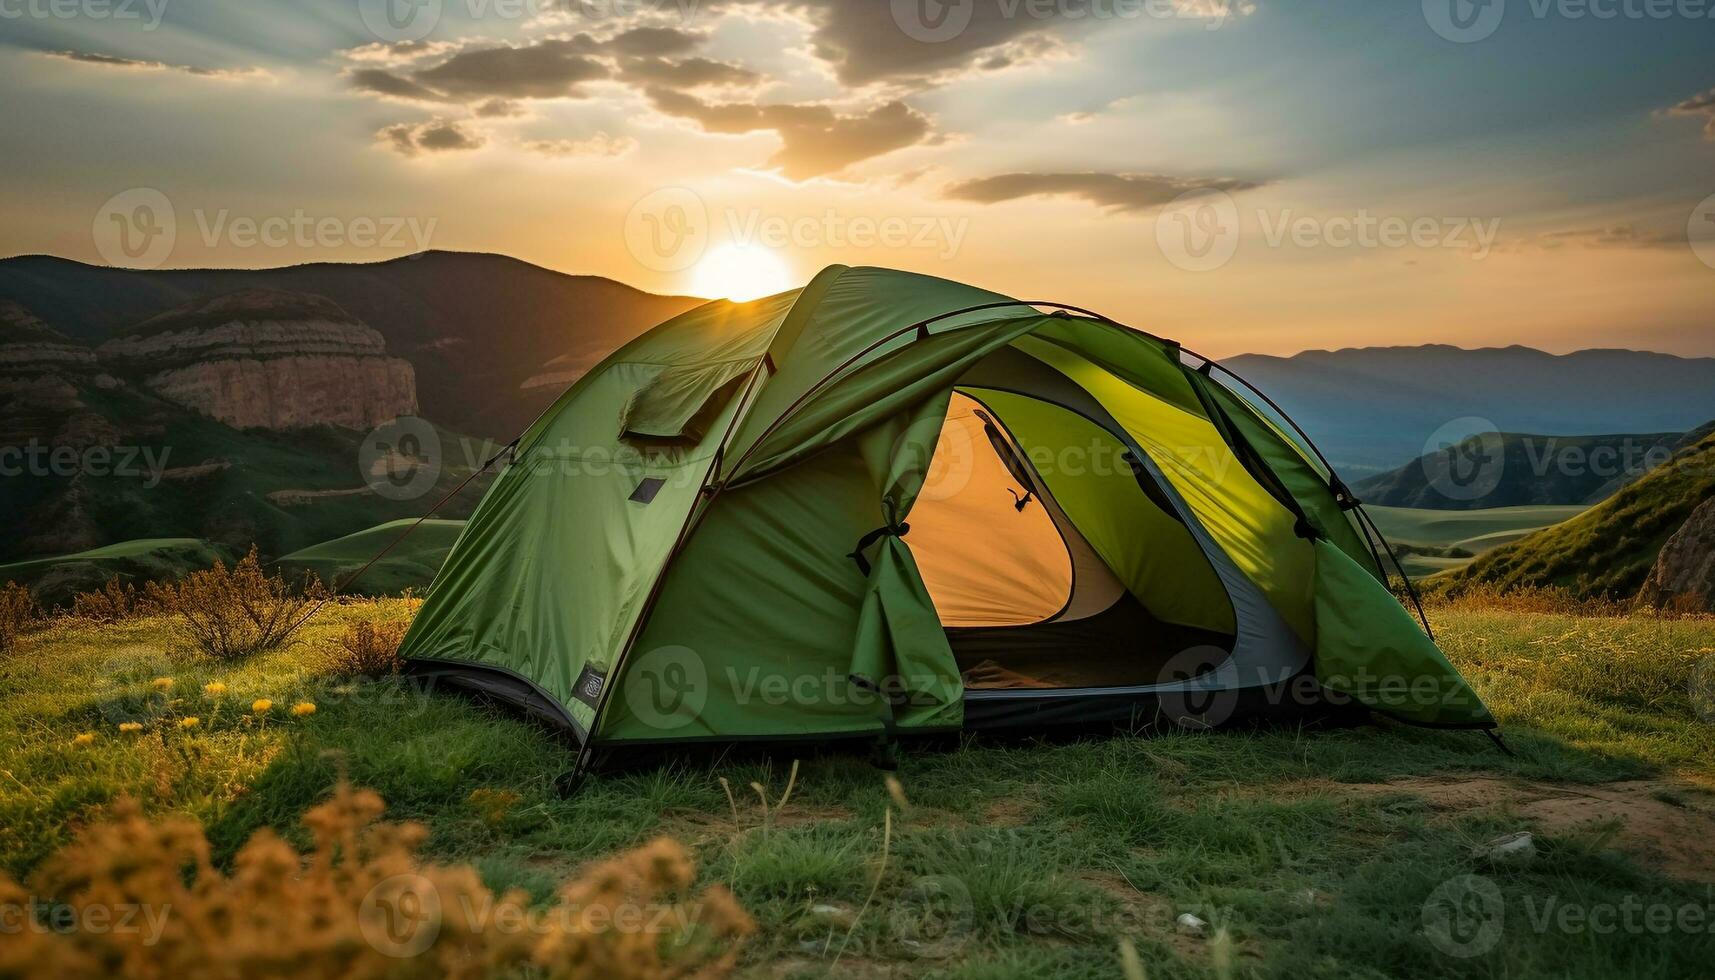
[1510, 469]
[491, 339]
[1609, 550]
[1373, 408]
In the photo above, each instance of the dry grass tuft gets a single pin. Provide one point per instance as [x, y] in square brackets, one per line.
[18, 612]
[114, 602]
[237, 612]
[359, 905]
[370, 648]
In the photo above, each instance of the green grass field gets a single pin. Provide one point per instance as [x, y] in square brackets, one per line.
[1317, 852]
[1473, 531]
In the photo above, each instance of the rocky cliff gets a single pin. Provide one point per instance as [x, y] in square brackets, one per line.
[261, 358]
[1683, 576]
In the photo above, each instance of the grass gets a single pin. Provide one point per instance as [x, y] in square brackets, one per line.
[1010, 859]
[1470, 532]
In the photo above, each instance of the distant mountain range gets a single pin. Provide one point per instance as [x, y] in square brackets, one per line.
[1372, 409]
[492, 339]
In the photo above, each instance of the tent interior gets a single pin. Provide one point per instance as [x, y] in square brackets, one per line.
[1054, 560]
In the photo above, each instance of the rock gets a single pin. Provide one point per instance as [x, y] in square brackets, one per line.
[1190, 925]
[833, 915]
[260, 358]
[1519, 848]
[1683, 576]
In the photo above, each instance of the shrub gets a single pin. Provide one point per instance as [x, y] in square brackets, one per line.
[370, 648]
[236, 612]
[113, 602]
[18, 611]
[359, 905]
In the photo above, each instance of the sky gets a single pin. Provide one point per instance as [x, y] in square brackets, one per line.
[1240, 175]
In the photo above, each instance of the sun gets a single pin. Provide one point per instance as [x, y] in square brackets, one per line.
[740, 272]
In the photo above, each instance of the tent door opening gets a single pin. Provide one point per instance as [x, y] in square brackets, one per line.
[1027, 600]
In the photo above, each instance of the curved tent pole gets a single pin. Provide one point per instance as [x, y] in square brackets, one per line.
[1372, 533]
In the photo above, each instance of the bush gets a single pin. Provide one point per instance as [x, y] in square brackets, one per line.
[114, 602]
[18, 611]
[370, 648]
[233, 613]
[359, 905]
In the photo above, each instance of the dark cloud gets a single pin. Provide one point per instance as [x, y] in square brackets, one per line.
[134, 64]
[544, 70]
[1116, 192]
[435, 136]
[383, 82]
[815, 140]
[646, 41]
[1699, 106]
[686, 72]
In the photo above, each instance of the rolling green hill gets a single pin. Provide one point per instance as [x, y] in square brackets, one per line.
[411, 564]
[1606, 551]
[1430, 541]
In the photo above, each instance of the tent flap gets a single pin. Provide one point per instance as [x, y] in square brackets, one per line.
[1370, 649]
[900, 648]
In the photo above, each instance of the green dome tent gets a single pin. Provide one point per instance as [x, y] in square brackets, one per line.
[890, 503]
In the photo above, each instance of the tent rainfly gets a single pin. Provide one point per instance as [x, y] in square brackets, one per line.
[887, 503]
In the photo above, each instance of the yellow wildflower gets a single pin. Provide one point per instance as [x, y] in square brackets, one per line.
[191, 722]
[303, 708]
[84, 739]
[130, 726]
[162, 683]
[214, 689]
[261, 706]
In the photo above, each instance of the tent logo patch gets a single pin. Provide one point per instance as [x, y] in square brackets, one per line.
[588, 687]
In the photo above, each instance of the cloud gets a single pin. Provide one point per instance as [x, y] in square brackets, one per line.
[1610, 236]
[903, 42]
[1113, 191]
[398, 52]
[544, 70]
[815, 139]
[383, 82]
[134, 64]
[434, 136]
[1699, 106]
[686, 73]
[656, 41]
[599, 145]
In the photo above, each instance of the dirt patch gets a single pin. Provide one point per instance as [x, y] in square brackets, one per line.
[1666, 826]
[1009, 811]
[703, 825]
